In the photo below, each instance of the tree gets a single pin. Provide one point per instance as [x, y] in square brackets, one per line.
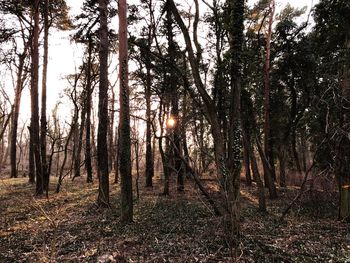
[34, 124]
[228, 169]
[102, 149]
[124, 119]
[43, 122]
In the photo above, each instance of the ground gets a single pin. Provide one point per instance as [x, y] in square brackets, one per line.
[68, 227]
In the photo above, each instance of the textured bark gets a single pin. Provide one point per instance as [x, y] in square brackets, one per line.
[124, 121]
[149, 152]
[102, 148]
[247, 161]
[77, 159]
[88, 165]
[43, 122]
[236, 13]
[268, 173]
[31, 173]
[34, 100]
[16, 108]
[111, 146]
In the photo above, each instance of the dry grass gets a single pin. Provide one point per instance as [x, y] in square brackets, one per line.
[68, 227]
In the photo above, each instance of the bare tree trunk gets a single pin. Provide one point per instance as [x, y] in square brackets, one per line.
[16, 108]
[149, 153]
[43, 122]
[34, 100]
[31, 160]
[173, 87]
[88, 165]
[256, 175]
[268, 173]
[111, 148]
[77, 159]
[65, 153]
[124, 115]
[282, 163]
[116, 160]
[102, 148]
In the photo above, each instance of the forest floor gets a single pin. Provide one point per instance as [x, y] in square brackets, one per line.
[68, 227]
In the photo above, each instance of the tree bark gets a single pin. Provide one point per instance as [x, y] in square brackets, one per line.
[148, 94]
[43, 122]
[102, 148]
[88, 165]
[124, 122]
[34, 100]
[16, 108]
[268, 173]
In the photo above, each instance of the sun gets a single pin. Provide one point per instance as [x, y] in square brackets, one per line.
[171, 122]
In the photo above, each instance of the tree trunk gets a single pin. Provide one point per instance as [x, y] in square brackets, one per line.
[247, 161]
[31, 173]
[149, 153]
[88, 165]
[124, 122]
[116, 159]
[16, 108]
[282, 163]
[111, 147]
[267, 129]
[34, 100]
[102, 148]
[173, 88]
[43, 122]
[77, 159]
[343, 154]
[228, 172]
[256, 175]
[232, 183]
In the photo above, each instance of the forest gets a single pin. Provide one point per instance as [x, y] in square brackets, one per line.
[184, 131]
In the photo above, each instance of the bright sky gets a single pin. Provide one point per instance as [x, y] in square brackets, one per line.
[65, 56]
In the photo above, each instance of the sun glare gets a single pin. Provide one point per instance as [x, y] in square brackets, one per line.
[171, 122]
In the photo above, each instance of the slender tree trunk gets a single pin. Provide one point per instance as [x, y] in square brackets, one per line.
[173, 87]
[65, 153]
[111, 147]
[256, 175]
[16, 108]
[77, 159]
[88, 165]
[31, 173]
[124, 116]
[116, 160]
[294, 150]
[247, 161]
[34, 100]
[282, 163]
[268, 173]
[102, 148]
[149, 152]
[43, 122]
